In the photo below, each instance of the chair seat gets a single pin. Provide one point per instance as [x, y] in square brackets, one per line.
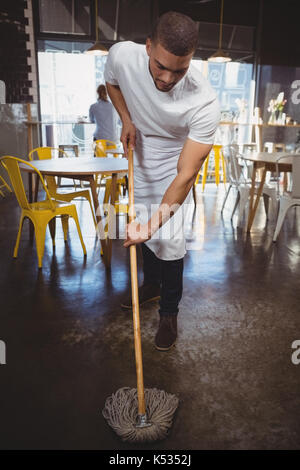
[45, 205]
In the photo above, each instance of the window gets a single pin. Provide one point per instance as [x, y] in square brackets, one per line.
[234, 86]
[66, 94]
[65, 16]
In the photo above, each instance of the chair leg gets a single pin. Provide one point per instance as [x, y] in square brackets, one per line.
[92, 211]
[98, 182]
[125, 186]
[242, 205]
[52, 228]
[274, 204]
[217, 165]
[65, 226]
[194, 194]
[16, 249]
[40, 235]
[197, 179]
[266, 204]
[204, 175]
[75, 217]
[223, 168]
[238, 197]
[284, 205]
[107, 192]
[226, 196]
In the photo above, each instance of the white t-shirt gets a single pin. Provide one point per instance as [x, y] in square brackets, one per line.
[163, 121]
[190, 109]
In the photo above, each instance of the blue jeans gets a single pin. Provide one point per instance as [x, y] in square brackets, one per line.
[166, 274]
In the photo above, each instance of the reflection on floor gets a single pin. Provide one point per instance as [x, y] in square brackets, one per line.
[69, 344]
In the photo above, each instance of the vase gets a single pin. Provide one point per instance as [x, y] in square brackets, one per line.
[279, 117]
[272, 118]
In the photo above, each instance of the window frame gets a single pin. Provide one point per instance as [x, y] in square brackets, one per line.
[63, 36]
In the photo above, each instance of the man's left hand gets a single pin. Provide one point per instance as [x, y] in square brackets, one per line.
[136, 233]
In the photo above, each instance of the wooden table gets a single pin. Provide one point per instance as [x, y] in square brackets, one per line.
[85, 169]
[266, 162]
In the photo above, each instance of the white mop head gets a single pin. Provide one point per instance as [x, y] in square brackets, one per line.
[121, 412]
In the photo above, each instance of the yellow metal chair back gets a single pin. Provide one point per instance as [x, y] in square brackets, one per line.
[102, 145]
[40, 213]
[46, 153]
[11, 164]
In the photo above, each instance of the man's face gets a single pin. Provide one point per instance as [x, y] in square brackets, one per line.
[166, 68]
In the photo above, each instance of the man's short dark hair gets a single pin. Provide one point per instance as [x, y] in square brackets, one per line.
[176, 32]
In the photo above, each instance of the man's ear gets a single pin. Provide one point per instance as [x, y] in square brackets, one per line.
[148, 46]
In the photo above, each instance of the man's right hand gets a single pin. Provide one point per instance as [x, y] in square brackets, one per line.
[128, 136]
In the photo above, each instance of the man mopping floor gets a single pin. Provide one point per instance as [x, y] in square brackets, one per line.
[169, 114]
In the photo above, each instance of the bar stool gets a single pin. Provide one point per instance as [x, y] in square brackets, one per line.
[218, 154]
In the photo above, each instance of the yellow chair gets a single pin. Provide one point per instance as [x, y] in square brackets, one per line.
[45, 153]
[102, 145]
[4, 185]
[40, 213]
[100, 148]
[217, 150]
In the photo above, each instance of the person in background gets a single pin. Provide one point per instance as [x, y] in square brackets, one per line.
[103, 114]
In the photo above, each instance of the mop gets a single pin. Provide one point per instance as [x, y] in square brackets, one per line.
[139, 415]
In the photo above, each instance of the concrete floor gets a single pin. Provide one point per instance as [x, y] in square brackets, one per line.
[69, 345]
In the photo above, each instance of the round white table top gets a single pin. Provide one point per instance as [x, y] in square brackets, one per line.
[267, 157]
[79, 166]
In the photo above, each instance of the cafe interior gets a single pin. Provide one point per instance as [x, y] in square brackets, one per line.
[66, 343]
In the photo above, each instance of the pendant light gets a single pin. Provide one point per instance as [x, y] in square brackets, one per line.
[97, 48]
[220, 56]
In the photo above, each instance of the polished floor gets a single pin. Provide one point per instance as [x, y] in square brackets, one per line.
[69, 345]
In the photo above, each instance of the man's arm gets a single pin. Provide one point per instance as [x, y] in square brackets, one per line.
[128, 128]
[189, 163]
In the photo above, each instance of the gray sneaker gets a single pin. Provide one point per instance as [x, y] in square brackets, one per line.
[147, 293]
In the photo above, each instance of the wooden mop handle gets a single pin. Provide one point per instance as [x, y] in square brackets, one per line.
[135, 296]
